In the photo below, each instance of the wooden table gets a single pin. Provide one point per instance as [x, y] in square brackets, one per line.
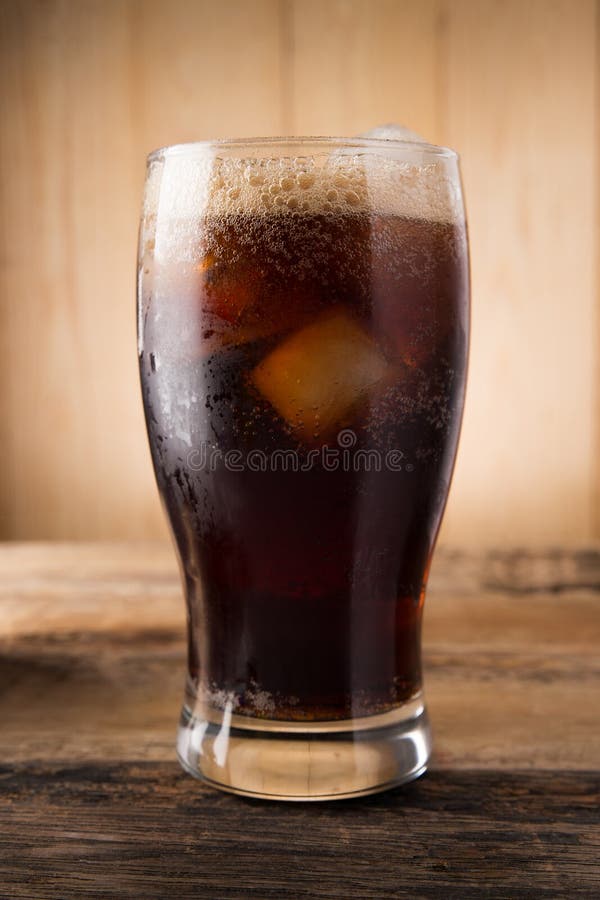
[94, 804]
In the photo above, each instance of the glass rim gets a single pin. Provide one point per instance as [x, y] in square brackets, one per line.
[196, 148]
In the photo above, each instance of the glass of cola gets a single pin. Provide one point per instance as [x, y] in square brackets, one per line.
[303, 333]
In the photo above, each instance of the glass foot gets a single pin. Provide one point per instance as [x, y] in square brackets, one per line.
[276, 760]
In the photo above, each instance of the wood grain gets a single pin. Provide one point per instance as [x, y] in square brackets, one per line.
[356, 65]
[146, 830]
[518, 99]
[89, 88]
[93, 804]
[92, 655]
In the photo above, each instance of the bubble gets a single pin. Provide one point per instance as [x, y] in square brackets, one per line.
[182, 191]
[305, 180]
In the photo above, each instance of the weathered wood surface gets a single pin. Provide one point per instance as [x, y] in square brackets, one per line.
[93, 804]
[145, 830]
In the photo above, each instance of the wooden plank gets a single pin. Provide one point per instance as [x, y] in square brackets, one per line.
[205, 71]
[88, 89]
[85, 588]
[149, 830]
[358, 64]
[518, 600]
[114, 696]
[517, 94]
[596, 372]
[92, 653]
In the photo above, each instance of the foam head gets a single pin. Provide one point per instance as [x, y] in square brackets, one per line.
[188, 186]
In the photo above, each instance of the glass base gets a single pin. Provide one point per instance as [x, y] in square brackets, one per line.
[276, 760]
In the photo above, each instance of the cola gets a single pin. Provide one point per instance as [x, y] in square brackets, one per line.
[303, 369]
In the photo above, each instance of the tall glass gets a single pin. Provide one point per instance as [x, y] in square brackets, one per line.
[303, 331]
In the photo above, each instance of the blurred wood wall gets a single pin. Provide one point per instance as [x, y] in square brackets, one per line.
[88, 87]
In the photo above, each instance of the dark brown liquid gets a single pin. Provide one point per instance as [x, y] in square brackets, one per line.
[305, 588]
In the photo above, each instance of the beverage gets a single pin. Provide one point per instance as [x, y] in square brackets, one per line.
[303, 347]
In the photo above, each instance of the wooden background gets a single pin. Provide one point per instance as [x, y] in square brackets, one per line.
[88, 87]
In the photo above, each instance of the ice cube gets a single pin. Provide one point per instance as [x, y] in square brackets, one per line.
[393, 132]
[230, 291]
[240, 304]
[317, 377]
